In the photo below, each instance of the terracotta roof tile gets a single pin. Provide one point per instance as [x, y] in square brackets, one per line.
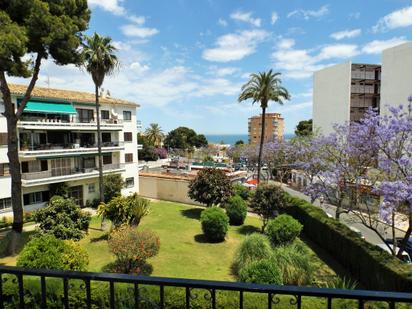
[69, 95]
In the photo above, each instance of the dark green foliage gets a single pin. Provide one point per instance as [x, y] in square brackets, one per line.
[214, 223]
[267, 201]
[49, 252]
[60, 189]
[242, 191]
[62, 218]
[283, 230]
[385, 272]
[236, 210]
[148, 151]
[112, 184]
[263, 271]
[184, 138]
[304, 128]
[125, 210]
[210, 186]
[239, 142]
[254, 248]
[294, 261]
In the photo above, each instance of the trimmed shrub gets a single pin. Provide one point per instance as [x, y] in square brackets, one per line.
[359, 257]
[267, 201]
[283, 230]
[263, 271]
[294, 261]
[132, 248]
[242, 191]
[236, 210]
[49, 252]
[62, 218]
[255, 247]
[214, 223]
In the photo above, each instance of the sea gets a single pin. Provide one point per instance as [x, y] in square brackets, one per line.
[233, 138]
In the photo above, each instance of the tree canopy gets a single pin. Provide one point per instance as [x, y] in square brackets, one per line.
[184, 138]
[304, 128]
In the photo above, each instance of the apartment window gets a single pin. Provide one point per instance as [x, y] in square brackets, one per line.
[128, 157]
[129, 182]
[127, 115]
[89, 162]
[34, 166]
[105, 114]
[128, 136]
[106, 137]
[85, 115]
[5, 203]
[4, 169]
[3, 138]
[92, 188]
[107, 158]
[35, 197]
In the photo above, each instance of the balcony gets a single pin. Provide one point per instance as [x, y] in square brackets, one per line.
[46, 150]
[30, 122]
[139, 125]
[29, 288]
[65, 174]
[139, 146]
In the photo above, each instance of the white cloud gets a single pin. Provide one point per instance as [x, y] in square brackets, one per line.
[338, 51]
[346, 34]
[137, 31]
[122, 45]
[396, 19]
[377, 46]
[307, 14]
[139, 68]
[222, 22]
[286, 43]
[235, 46]
[220, 72]
[112, 6]
[140, 20]
[274, 18]
[246, 17]
[294, 107]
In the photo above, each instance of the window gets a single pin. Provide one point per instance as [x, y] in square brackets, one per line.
[105, 114]
[3, 138]
[85, 115]
[89, 162]
[127, 115]
[92, 188]
[5, 203]
[128, 136]
[128, 157]
[107, 158]
[106, 138]
[129, 182]
[35, 197]
[4, 169]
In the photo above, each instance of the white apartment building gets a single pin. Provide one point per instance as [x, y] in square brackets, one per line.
[343, 92]
[58, 144]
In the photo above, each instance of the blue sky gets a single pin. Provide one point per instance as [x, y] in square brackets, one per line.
[184, 61]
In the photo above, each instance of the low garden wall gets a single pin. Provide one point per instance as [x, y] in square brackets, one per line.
[373, 267]
[165, 187]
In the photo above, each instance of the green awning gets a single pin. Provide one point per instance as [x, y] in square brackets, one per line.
[49, 108]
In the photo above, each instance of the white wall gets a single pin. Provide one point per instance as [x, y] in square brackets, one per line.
[396, 83]
[331, 96]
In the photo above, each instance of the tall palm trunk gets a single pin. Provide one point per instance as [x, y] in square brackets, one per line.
[262, 138]
[99, 146]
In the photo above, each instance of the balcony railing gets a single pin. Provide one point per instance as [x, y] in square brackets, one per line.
[73, 121]
[52, 147]
[69, 171]
[29, 288]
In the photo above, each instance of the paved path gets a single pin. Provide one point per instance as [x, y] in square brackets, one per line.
[349, 219]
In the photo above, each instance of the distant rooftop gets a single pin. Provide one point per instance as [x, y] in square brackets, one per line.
[67, 95]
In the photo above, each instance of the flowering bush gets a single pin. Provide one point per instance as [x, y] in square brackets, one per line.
[161, 153]
[132, 248]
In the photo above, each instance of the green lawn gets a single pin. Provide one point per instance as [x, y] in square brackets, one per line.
[184, 252]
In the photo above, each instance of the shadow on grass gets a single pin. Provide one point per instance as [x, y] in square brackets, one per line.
[146, 269]
[102, 237]
[5, 243]
[202, 239]
[248, 229]
[192, 213]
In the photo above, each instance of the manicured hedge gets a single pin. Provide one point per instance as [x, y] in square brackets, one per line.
[373, 267]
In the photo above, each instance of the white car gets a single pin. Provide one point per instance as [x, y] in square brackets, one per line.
[405, 256]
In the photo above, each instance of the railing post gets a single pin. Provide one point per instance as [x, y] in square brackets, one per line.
[66, 292]
[136, 296]
[1, 292]
[21, 290]
[111, 294]
[43, 292]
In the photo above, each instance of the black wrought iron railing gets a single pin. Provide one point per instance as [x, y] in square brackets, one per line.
[29, 288]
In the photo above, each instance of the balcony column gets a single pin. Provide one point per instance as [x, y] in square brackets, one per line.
[31, 140]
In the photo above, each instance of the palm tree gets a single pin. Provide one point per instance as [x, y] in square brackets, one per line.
[99, 60]
[263, 87]
[154, 134]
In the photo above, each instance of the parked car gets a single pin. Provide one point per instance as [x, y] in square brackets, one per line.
[408, 247]
[359, 233]
[405, 256]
